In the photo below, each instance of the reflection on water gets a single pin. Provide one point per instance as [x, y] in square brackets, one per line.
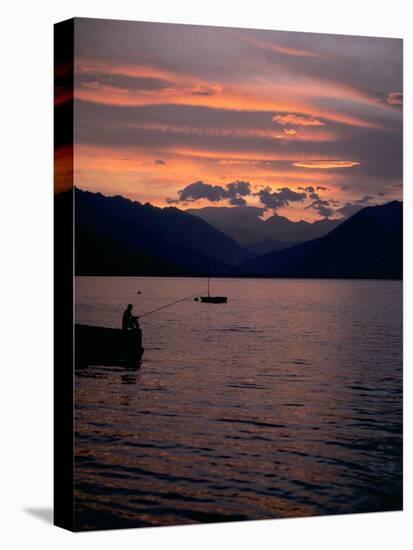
[287, 401]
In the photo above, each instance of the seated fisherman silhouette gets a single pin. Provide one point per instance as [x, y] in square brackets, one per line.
[129, 321]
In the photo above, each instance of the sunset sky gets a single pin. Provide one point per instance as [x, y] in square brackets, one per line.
[305, 125]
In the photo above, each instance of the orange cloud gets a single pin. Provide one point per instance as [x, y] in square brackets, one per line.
[188, 89]
[326, 164]
[134, 172]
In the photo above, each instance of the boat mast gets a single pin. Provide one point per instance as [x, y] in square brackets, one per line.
[209, 272]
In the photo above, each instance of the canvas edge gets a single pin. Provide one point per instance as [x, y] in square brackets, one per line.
[63, 385]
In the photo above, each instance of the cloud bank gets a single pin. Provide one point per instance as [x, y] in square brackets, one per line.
[234, 192]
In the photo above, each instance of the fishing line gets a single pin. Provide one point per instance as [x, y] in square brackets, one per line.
[170, 304]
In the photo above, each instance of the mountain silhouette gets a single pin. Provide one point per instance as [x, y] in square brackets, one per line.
[367, 245]
[117, 236]
[264, 246]
[244, 224]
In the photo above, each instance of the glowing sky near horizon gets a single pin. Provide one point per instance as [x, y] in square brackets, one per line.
[161, 107]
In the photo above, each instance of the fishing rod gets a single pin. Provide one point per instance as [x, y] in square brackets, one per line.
[170, 304]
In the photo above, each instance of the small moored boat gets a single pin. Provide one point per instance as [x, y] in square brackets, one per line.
[102, 345]
[213, 299]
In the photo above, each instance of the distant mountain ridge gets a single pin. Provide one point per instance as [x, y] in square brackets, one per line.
[243, 223]
[367, 245]
[267, 245]
[115, 235]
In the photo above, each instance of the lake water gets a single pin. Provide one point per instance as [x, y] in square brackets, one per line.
[284, 402]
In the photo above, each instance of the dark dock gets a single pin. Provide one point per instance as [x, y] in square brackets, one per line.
[107, 346]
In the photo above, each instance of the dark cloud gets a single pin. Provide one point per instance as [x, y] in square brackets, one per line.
[320, 202]
[327, 208]
[322, 206]
[334, 202]
[236, 190]
[238, 201]
[161, 162]
[282, 197]
[324, 211]
[241, 188]
[233, 192]
[200, 190]
[311, 192]
[121, 81]
[321, 188]
[365, 199]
